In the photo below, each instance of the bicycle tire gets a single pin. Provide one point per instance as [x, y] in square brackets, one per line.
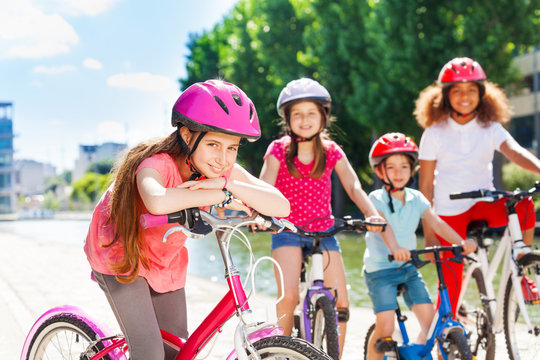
[485, 338]
[286, 347]
[64, 337]
[519, 342]
[367, 338]
[324, 327]
[458, 347]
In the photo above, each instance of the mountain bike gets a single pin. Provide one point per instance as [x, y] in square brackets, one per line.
[69, 333]
[517, 313]
[448, 333]
[316, 316]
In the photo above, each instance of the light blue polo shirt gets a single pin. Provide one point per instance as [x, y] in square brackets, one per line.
[404, 221]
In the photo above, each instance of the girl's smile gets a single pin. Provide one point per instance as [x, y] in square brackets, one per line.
[464, 98]
[396, 170]
[305, 119]
[215, 154]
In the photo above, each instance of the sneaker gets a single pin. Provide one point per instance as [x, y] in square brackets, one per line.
[463, 311]
[530, 291]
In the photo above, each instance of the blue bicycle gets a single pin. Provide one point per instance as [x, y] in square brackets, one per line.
[448, 333]
[316, 316]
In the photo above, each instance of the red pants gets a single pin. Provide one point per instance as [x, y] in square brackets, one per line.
[495, 215]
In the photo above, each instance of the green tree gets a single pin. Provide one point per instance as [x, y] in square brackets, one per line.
[102, 166]
[89, 188]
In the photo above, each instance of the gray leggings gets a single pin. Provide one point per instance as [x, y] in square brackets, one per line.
[141, 312]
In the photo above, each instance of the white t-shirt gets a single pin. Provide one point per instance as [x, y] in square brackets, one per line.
[464, 155]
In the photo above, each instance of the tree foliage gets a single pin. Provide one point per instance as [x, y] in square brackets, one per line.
[374, 56]
[89, 188]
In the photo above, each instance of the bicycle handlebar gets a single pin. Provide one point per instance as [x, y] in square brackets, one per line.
[496, 194]
[418, 263]
[198, 223]
[349, 224]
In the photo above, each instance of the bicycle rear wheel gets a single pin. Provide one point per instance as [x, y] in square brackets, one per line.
[367, 339]
[478, 320]
[286, 347]
[520, 342]
[63, 337]
[458, 348]
[324, 327]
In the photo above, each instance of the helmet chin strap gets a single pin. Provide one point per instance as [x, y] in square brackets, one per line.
[196, 174]
[464, 115]
[390, 188]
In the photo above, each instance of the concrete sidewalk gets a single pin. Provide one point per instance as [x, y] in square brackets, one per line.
[36, 275]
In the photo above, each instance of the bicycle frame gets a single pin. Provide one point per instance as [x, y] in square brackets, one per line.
[313, 288]
[441, 325]
[508, 251]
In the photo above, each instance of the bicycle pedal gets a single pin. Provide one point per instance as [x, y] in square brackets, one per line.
[384, 345]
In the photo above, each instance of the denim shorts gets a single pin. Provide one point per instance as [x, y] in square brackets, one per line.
[286, 238]
[383, 284]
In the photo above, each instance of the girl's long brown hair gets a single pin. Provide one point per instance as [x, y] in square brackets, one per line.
[126, 205]
[319, 160]
[431, 108]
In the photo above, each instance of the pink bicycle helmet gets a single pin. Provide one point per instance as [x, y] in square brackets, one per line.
[392, 144]
[218, 106]
[461, 70]
[303, 89]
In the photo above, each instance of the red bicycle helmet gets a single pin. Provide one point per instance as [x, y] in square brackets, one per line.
[392, 144]
[218, 106]
[461, 70]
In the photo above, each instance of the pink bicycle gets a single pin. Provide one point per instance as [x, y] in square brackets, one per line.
[67, 332]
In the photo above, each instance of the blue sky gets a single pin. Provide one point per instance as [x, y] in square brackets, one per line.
[91, 71]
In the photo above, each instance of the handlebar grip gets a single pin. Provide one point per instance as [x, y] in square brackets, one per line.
[391, 258]
[467, 195]
[150, 220]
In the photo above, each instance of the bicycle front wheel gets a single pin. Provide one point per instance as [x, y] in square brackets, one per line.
[63, 337]
[522, 342]
[286, 347]
[324, 327]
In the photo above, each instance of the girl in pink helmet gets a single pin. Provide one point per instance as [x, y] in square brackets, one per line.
[463, 116]
[300, 165]
[393, 158]
[195, 166]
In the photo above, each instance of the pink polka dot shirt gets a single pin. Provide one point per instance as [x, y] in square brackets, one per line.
[310, 198]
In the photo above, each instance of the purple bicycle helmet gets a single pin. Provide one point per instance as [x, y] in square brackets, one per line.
[303, 89]
[218, 106]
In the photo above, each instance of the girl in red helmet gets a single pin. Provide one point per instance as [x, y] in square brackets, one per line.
[300, 165]
[142, 277]
[393, 158]
[463, 116]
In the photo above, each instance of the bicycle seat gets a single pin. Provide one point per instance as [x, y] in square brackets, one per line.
[401, 288]
[476, 230]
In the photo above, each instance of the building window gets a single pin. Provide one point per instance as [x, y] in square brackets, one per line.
[5, 180]
[522, 129]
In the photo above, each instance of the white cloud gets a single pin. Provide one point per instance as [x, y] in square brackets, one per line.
[27, 32]
[76, 7]
[141, 81]
[53, 70]
[111, 131]
[92, 64]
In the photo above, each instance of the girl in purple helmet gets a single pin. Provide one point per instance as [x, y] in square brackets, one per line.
[300, 165]
[463, 116]
[195, 166]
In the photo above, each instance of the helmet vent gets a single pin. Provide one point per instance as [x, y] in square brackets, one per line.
[237, 99]
[251, 112]
[222, 104]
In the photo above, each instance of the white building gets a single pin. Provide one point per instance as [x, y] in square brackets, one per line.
[31, 176]
[92, 153]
